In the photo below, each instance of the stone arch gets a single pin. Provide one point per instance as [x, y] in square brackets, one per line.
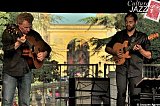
[77, 52]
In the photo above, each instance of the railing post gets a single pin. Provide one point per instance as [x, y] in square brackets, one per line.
[105, 67]
[96, 73]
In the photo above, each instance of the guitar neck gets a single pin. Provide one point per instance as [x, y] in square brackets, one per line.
[150, 37]
[131, 46]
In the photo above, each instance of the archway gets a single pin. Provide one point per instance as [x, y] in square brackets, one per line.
[77, 54]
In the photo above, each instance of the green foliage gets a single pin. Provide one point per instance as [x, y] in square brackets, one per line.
[119, 23]
[41, 21]
[149, 26]
[55, 18]
[89, 20]
[105, 20]
[145, 25]
[48, 72]
[98, 44]
[6, 18]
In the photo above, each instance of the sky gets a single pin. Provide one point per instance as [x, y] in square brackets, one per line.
[73, 18]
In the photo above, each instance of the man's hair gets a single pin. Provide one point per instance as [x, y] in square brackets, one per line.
[132, 14]
[24, 16]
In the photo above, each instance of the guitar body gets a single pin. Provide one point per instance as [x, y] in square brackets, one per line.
[118, 47]
[33, 63]
[31, 47]
[30, 54]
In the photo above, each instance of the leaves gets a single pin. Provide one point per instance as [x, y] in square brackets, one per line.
[98, 43]
[145, 25]
[89, 20]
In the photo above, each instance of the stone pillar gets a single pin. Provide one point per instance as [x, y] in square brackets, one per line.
[34, 102]
[113, 87]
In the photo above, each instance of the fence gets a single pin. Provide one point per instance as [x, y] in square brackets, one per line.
[55, 92]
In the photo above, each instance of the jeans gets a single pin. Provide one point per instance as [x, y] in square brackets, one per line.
[123, 81]
[122, 88]
[23, 85]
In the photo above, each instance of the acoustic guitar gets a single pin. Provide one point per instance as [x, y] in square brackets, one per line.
[30, 51]
[124, 48]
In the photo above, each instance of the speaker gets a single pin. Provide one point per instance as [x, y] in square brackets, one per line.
[89, 91]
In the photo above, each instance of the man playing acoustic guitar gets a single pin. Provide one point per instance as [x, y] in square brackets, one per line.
[129, 47]
[16, 68]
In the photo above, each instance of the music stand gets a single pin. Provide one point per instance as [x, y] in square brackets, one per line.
[95, 89]
[152, 83]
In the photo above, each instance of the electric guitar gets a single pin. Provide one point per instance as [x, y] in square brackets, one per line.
[30, 51]
[124, 48]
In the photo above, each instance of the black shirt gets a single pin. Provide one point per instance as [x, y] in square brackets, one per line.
[133, 64]
[14, 63]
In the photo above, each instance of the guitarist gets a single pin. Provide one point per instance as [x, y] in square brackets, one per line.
[130, 72]
[16, 72]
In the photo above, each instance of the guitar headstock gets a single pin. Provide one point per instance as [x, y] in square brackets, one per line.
[153, 36]
[14, 30]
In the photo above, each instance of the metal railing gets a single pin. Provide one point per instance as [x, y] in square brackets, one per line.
[151, 71]
[79, 70]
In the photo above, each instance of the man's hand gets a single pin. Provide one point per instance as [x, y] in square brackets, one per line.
[22, 39]
[120, 54]
[137, 47]
[41, 55]
[145, 53]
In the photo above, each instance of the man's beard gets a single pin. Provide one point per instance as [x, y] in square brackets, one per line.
[130, 29]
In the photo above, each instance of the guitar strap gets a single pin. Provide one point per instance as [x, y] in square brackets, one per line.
[131, 40]
[137, 38]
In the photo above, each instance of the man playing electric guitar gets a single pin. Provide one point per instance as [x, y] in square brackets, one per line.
[129, 72]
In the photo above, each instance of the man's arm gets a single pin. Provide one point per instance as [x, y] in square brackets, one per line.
[45, 48]
[110, 51]
[44, 54]
[145, 53]
[8, 41]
